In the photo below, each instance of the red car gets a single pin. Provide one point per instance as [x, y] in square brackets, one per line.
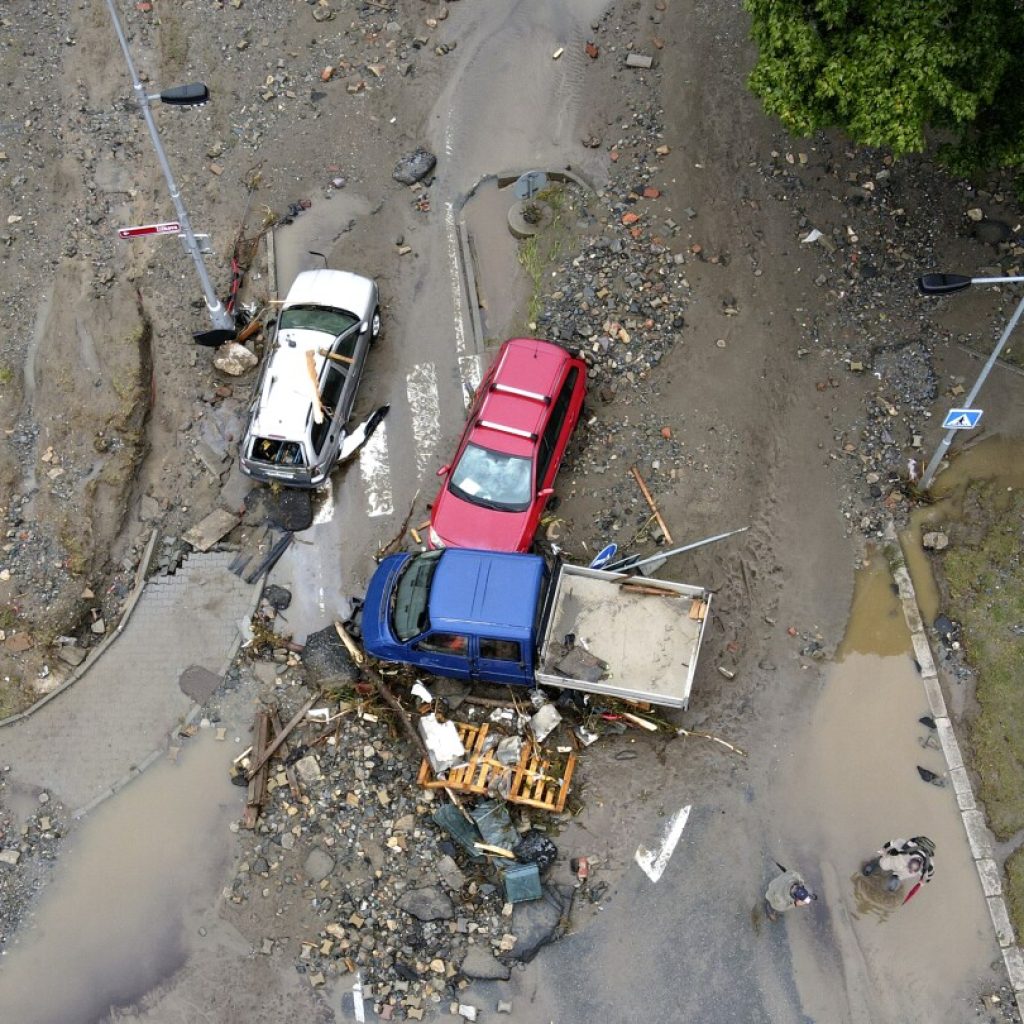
[503, 473]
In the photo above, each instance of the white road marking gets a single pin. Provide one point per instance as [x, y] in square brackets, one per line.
[357, 998]
[325, 497]
[654, 864]
[373, 466]
[424, 406]
[456, 273]
[471, 370]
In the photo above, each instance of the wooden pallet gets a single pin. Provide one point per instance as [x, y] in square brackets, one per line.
[478, 771]
[532, 782]
[534, 786]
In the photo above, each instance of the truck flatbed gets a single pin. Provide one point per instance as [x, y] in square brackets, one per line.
[646, 632]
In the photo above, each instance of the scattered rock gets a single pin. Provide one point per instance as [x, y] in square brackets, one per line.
[234, 359]
[414, 167]
[427, 904]
[480, 964]
[318, 865]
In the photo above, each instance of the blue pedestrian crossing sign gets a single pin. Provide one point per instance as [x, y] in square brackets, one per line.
[961, 419]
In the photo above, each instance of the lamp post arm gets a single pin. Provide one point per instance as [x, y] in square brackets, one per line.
[219, 316]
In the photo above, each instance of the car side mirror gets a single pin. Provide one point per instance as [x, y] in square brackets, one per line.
[364, 327]
[443, 471]
[545, 492]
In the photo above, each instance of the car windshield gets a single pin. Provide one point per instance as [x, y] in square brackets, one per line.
[316, 318]
[409, 599]
[492, 479]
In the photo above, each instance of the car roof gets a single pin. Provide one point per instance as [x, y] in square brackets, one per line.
[522, 386]
[488, 591]
[287, 392]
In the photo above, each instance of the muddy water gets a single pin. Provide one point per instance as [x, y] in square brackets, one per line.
[854, 776]
[997, 458]
[134, 875]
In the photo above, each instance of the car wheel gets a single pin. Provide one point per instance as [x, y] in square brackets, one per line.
[375, 324]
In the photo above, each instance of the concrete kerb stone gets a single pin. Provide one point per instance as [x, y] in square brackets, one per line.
[1014, 960]
[962, 788]
[133, 599]
[978, 835]
[936, 701]
[948, 742]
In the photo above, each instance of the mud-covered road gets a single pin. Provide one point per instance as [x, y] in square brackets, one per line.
[774, 384]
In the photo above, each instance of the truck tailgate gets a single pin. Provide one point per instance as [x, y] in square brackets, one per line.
[649, 642]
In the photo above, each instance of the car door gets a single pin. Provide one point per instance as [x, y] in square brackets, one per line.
[445, 654]
[325, 436]
[552, 443]
[499, 661]
[350, 351]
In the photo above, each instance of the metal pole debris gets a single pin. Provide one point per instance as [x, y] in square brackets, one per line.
[627, 564]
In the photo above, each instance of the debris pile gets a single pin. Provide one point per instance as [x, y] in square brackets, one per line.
[418, 831]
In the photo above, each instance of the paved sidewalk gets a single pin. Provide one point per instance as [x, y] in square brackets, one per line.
[88, 741]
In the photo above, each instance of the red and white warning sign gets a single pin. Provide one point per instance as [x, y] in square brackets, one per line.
[171, 227]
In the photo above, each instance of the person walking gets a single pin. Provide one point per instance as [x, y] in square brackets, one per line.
[904, 860]
[786, 891]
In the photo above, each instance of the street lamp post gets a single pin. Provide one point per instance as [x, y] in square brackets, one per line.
[941, 284]
[185, 95]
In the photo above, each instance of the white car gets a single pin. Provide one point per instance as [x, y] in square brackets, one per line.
[307, 386]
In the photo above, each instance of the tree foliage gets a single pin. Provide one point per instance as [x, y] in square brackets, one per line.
[887, 71]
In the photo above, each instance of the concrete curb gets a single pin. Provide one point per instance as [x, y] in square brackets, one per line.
[97, 651]
[978, 835]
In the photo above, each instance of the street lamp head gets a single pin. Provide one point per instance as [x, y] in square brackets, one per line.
[189, 95]
[940, 284]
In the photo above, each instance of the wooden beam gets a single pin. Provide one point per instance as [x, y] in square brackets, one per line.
[260, 760]
[650, 501]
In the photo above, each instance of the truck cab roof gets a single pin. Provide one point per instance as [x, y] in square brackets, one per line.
[486, 592]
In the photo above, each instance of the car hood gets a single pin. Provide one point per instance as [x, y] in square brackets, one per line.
[336, 289]
[460, 524]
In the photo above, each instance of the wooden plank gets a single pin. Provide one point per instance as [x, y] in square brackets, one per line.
[260, 760]
[257, 791]
[289, 771]
[651, 503]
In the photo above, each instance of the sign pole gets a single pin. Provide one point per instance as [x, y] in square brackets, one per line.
[929, 473]
[222, 320]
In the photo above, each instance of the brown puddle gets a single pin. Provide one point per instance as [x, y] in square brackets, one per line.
[854, 776]
[996, 458]
[113, 923]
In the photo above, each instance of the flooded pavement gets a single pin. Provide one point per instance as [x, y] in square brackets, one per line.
[136, 879]
[853, 785]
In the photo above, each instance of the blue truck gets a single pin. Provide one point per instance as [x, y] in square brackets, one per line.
[499, 617]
